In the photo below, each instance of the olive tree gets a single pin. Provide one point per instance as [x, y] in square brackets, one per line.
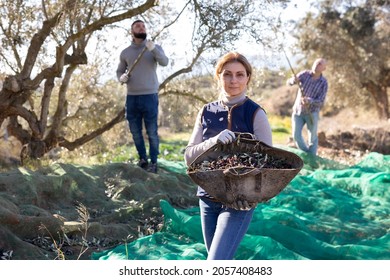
[46, 43]
[354, 37]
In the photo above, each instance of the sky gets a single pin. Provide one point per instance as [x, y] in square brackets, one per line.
[295, 10]
[260, 57]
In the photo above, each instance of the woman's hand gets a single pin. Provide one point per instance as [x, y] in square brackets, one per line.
[225, 137]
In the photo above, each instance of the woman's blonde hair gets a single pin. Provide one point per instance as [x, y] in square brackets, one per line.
[232, 57]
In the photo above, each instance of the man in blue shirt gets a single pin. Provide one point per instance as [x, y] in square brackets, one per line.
[312, 91]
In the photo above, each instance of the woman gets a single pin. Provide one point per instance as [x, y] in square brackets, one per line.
[224, 227]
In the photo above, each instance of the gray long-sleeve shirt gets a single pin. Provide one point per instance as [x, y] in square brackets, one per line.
[143, 78]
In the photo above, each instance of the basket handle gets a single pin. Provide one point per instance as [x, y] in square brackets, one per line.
[231, 172]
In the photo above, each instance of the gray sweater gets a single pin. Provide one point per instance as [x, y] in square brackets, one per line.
[143, 79]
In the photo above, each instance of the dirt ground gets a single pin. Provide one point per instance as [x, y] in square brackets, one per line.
[349, 136]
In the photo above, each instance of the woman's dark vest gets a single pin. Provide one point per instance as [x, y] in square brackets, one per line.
[216, 117]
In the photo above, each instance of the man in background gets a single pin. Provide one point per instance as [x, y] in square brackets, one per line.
[142, 91]
[312, 91]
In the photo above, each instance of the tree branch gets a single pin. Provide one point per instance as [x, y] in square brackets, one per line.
[36, 44]
[88, 137]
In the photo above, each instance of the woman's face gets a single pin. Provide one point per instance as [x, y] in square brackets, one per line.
[233, 79]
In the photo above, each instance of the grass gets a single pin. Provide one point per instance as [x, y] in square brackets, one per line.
[172, 144]
[171, 150]
[281, 128]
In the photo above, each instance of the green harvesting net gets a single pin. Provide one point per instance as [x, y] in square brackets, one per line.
[328, 211]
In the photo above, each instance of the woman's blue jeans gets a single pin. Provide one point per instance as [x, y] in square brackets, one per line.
[223, 228]
[144, 108]
[311, 121]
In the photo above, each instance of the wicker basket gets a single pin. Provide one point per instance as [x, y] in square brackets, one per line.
[254, 185]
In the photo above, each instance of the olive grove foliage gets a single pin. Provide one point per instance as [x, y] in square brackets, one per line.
[52, 94]
[354, 37]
